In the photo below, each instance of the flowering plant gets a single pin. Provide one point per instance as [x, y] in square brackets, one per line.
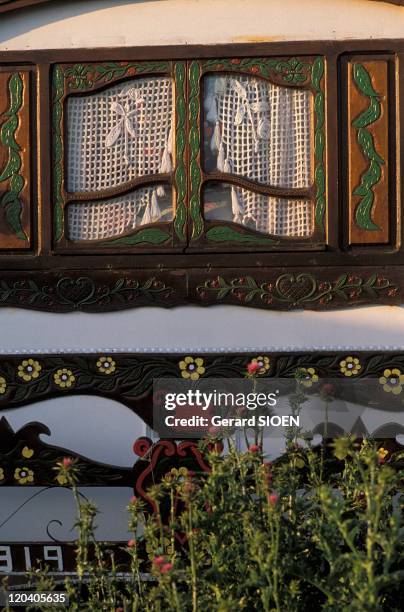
[318, 528]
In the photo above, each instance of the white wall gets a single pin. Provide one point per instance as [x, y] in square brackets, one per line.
[157, 22]
[192, 328]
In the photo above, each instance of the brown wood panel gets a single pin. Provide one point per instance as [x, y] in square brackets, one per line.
[368, 152]
[88, 280]
[278, 289]
[15, 160]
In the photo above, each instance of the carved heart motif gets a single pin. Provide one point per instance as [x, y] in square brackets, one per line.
[76, 291]
[296, 289]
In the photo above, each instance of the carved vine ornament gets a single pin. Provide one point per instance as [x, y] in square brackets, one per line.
[70, 292]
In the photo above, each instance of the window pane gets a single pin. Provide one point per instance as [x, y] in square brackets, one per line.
[258, 130]
[270, 215]
[119, 134]
[107, 218]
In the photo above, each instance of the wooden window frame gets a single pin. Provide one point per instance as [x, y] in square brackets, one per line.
[87, 78]
[338, 276]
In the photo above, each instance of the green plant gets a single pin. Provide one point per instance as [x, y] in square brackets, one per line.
[319, 528]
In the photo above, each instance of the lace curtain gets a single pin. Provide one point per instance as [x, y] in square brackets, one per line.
[262, 132]
[114, 136]
[108, 218]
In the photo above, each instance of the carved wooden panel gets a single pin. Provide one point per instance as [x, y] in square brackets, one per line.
[369, 151]
[15, 159]
[128, 379]
[94, 250]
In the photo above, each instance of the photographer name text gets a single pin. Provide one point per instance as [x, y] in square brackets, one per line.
[220, 421]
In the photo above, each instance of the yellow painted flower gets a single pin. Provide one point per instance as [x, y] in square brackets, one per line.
[62, 479]
[3, 385]
[308, 376]
[29, 369]
[2, 477]
[106, 365]
[64, 378]
[191, 368]
[263, 363]
[27, 452]
[392, 381]
[23, 475]
[350, 366]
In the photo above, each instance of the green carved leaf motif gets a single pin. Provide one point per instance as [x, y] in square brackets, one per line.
[370, 115]
[11, 200]
[149, 236]
[363, 81]
[373, 174]
[180, 172]
[366, 142]
[221, 233]
[319, 141]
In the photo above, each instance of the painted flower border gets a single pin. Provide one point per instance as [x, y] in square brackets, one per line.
[129, 377]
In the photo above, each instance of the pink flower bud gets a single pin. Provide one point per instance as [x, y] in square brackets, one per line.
[131, 543]
[133, 499]
[167, 567]
[254, 448]
[252, 367]
[158, 560]
[273, 499]
[67, 462]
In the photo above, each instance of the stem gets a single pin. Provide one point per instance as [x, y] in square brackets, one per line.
[193, 564]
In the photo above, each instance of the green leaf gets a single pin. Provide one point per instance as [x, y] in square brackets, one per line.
[13, 216]
[222, 233]
[341, 281]
[363, 213]
[222, 293]
[366, 142]
[370, 115]
[317, 72]
[149, 236]
[320, 210]
[249, 297]
[363, 81]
